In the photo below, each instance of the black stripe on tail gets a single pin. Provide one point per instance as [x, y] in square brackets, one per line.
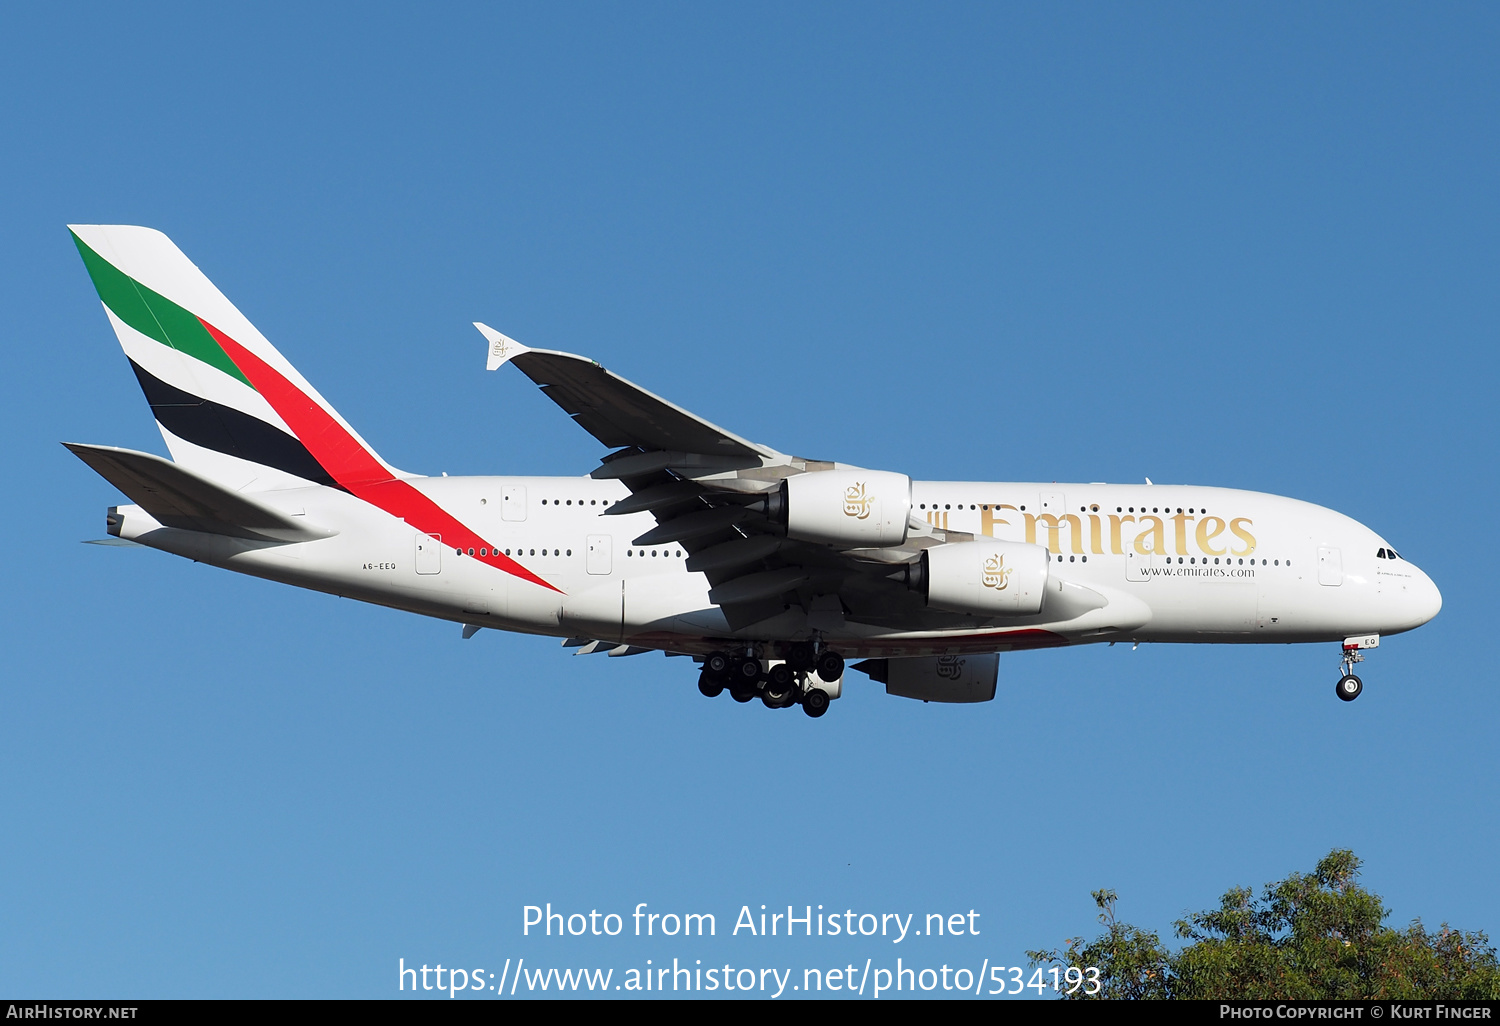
[227, 430]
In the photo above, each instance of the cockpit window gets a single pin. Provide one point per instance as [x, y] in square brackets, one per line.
[1393, 553]
[1380, 554]
[1386, 554]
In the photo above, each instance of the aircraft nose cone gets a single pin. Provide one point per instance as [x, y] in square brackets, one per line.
[1425, 599]
[1417, 600]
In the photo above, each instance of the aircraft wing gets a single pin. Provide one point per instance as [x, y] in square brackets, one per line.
[613, 410]
[712, 494]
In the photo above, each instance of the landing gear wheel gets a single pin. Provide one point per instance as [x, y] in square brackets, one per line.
[800, 655]
[830, 665]
[718, 664]
[747, 671]
[781, 685]
[815, 702]
[1349, 687]
[740, 693]
[709, 685]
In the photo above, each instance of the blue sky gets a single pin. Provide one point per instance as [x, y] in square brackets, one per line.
[1233, 245]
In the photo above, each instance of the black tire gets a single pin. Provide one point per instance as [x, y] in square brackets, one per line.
[815, 702]
[718, 664]
[781, 687]
[830, 665]
[800, 655]
[1349, 687]
[747, 670]
[741, 694]
[709, 685]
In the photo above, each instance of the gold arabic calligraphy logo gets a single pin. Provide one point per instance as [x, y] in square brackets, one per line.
[500, 349]
[996, 573]
[856, 502]
[950, 667]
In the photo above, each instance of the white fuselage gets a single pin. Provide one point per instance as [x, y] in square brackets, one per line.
[1171, 563]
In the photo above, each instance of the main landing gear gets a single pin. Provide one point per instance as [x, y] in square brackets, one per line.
[1349, 686]
[796, 681]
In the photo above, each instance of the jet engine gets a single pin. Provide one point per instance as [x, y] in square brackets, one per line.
[848, 509]
[983, 578]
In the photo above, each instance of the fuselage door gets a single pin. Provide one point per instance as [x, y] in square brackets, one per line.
[1330, 567]
[429, 556]
[1054, 503]
[600, 554]
[513, 502]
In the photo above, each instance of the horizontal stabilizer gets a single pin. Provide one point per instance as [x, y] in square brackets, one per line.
[179, 498]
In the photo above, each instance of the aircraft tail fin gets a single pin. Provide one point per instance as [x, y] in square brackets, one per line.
[230, 407]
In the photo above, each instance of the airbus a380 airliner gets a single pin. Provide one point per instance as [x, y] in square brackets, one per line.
[769, 570]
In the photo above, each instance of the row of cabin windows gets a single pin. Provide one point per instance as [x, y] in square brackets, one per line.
[519, 552]
[960, 506]
[1190, 559]
[678, 554]
[569, 552]
[1094, 507]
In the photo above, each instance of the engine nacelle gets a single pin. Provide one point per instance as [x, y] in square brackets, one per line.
[848, 509]
[950, 678]
[985, 578]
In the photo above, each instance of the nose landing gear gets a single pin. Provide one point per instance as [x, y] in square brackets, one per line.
[1349, 686]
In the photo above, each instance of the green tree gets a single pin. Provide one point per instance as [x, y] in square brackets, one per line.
[1132, 962]
[1310, 936]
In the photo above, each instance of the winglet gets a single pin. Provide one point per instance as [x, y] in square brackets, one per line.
[502, 348]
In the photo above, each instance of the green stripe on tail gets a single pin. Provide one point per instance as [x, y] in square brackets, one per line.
[153, 314]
